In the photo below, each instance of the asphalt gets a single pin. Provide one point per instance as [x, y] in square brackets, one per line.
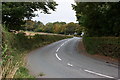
[62, 60]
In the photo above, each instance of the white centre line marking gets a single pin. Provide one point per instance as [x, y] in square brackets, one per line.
[98, 74]
[57, 49]
[58, 57]
[62, 44]
[69, 64]
[85, 69]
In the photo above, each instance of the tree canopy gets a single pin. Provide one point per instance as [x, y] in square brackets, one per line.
[55, 27]
[14, 13]
[100, 19]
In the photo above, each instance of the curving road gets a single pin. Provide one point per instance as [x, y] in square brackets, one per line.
[62, 60]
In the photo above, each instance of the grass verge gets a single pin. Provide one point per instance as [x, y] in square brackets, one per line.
[22, 72]
[14, 49]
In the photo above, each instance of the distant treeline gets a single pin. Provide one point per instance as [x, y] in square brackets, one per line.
[56, 27]
[14, 15]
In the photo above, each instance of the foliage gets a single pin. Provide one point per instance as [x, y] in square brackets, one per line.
[48, 28]
[41, 74]
[22, 72]
[63, 28]
[100, 19]
[14, 13]
[10, 57]
[16, 46]
[29, 25]
[71, 28]
[108, 46]
[33, 26]
[56, 27]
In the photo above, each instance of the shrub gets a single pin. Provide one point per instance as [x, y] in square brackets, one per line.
[15, 47]
[108, 46]
[22, 72]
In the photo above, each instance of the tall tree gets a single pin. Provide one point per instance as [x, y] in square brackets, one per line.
[58, 27]
[29, 25]
[38, 26]
[48, 27]
[71, 28]
[14, 13]
[100, 19]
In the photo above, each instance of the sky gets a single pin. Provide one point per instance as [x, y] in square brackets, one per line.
[63, 13]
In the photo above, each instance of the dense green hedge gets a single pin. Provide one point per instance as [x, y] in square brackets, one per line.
[15, 47]
[23, 42]
[108, 46]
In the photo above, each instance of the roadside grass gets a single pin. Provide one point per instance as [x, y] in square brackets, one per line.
[107, 46]
[41, 74]
[14, 49]
[23, 72]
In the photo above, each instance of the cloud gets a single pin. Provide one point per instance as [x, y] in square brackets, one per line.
[63, 13]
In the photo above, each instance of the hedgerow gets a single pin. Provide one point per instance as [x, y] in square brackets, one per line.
[16, 46]
[108, 46]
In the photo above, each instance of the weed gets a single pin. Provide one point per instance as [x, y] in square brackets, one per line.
[41, 74]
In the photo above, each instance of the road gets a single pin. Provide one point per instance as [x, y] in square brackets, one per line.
[62, 60]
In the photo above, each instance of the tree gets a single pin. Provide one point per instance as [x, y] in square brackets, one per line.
[29, 25]
[71, 28]
[100, 19]
[58, 27]
[14, 13]
[33, 25]
[48, 28]
[38, 26]
[55, 27]
[63, 28]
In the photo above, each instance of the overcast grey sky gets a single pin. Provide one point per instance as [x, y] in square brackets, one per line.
[63, 13]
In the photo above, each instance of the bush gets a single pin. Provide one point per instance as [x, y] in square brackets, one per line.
[108, 46]
[15, 47]
[22, 72]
